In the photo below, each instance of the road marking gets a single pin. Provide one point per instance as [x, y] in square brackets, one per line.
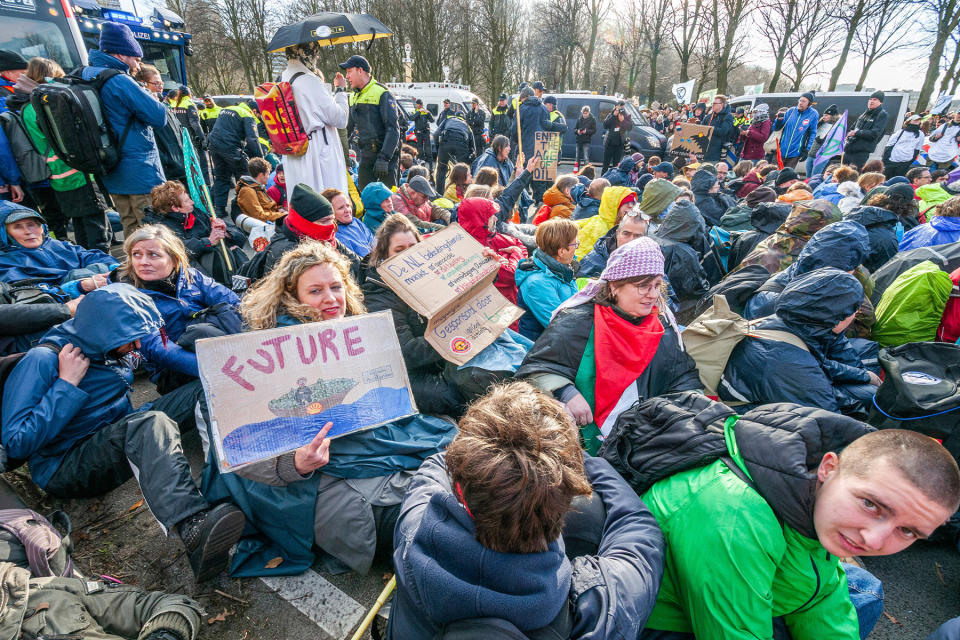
[330, 608]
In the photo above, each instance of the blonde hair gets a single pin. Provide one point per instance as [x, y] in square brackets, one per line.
[39, 69]
[276, 293]
[478, 191]
[171, 244]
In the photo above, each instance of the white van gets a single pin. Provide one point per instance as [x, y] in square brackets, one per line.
[434, 93]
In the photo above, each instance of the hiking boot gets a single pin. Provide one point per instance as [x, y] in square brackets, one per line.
[208, 537]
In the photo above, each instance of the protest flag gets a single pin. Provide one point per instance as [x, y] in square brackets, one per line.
[832, 145]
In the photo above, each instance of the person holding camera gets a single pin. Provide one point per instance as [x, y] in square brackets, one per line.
[617, 126]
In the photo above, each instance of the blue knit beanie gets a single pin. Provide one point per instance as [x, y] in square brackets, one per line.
[117, 38]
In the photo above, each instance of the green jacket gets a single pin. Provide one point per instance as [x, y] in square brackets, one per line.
[729, 579]
[64, 177]
[930, 196]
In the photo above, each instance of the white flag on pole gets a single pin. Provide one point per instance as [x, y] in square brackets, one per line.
[683, 92]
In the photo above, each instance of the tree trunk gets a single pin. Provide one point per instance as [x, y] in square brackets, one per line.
[652, 88]
[951, 74]
[855, 19]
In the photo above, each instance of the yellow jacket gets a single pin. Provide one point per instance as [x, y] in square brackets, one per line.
[595, 227]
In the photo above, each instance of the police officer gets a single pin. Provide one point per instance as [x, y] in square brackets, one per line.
[539, 89]
[373, 114]
[550, 102]
[500, 123]
[476, 119]
[189, 118]
[454, 144]
[208, 115]
[232, 141]
[421, 127]
[448, 110]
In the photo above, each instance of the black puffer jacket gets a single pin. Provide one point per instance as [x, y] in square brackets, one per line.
[781, 445]
[560, 347]
[682, 239]
[418, 354]
[881, 227]
[712, 205]
[285, 239]
[868, 129]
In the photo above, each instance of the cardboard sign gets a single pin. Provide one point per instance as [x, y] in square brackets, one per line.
[270, 392]
[446, 279]
[546, 144]
[690, 138]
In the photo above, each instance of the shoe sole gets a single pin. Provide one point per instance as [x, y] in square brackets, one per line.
[214, 555]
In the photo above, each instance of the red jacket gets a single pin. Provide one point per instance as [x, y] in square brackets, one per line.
[754, 138]
[473, 215]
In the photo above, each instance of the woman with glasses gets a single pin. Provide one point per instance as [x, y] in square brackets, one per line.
[546, 279]
[620, 321]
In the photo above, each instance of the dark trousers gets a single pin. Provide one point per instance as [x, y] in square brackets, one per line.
[145, 444]
[791, 162]
[449, 154]
[424, 148]
[478, 143]
[539, 187]
[227, 169]
[87, 208]
[856, 158]
[366, 173]
[893, 169]
[612, 155]
[44, 200]
[583, 153]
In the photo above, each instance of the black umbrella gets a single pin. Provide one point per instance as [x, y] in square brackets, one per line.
[328, 29]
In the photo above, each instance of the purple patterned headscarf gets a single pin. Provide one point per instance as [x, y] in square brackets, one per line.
[640, 257]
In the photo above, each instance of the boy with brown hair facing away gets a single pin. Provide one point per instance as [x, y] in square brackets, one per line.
[557, 200]
[514, 530]
[252, 198]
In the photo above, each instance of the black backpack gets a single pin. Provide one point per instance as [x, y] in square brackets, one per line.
[70, 115]
[32, 163]
[737, 287]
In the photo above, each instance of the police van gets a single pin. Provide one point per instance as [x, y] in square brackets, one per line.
[434, 93]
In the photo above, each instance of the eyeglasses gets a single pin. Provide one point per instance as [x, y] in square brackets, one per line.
[156, 83]
[574, 245]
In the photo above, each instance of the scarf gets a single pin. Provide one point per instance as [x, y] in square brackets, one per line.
[303, 227]
[623, 350]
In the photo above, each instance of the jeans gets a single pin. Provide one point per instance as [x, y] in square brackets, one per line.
[949, 630]
[866, 594]
[583, 154]
[809, 165]
[147, 445]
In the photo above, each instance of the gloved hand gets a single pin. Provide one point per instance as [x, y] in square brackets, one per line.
[803, 155]
[381, 169]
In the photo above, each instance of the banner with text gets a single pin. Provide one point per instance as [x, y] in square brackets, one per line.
[446, 279]
[272, 391]
[546, 144]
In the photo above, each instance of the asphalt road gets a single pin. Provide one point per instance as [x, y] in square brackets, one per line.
[116, 535]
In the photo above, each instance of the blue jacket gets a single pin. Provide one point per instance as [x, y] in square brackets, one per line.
[842, 245]
[372, 197]
[587, 207]
[828, 191]
[761, 371]
[504, 169]
[619, 176]
[940, 230]
[125, 102]
[881, 225]
[50, 262]
[200, 293]
[542, 284]
[444, 574]
[595, 262]
[535, 117]
[798, 131]
[9, 171]
[44, 416]
[356, 236]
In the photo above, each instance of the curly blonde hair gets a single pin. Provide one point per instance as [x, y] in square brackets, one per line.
[276, 293]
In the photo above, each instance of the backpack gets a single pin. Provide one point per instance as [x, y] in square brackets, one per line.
[910, 310]
[29, 539]
[70, 115]
[920, 391]
[949, 329]
[737, 288]
[32, 163]
[711, 338]
[281, 117]
[946, 256]
[255, 268]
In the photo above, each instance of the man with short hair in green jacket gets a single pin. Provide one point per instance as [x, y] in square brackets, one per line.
[758, 537]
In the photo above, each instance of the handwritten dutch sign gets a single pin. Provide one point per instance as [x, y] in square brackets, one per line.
[546, 144]
[270, 392]
[447, 280]
[691, 138]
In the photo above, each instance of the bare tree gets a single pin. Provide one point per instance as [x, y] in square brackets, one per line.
[689, 16]
[812, 41]
[727, 16]
[850, 13]
[777, 21]
[944, 18]
[656, 26]
[882, 32]
[596, 12]
[498, 31]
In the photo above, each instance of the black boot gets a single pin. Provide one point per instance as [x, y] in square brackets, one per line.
[208, 537]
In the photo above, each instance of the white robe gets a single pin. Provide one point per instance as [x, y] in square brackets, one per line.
[322, 166]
